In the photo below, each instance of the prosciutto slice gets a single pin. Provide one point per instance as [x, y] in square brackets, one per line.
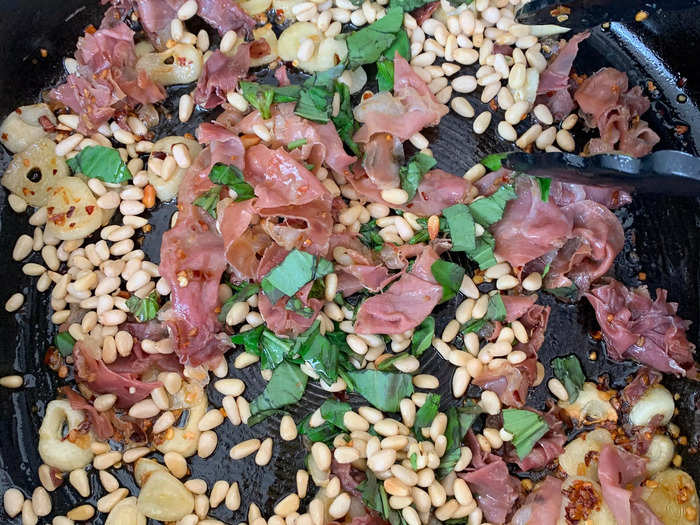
[617, 470]
[614, 110]
[635, 327]
[590, 250]
[542, 506]
[512, 382]
[102, 379]
[405, 304]
[530, 227]
[383, 155]
[411, 108]
[99, 422]
[554, 81]
[220, 75]
[548, 447]
[107, 79]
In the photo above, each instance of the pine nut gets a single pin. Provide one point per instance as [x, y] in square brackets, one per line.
[206, 444]
[532, 282]
[517, 112]
[185, 107]
[233, 497]
[176, 463]
[212, 419]
[565, 140]
[466, 56]
[15, 302]
[569, 122]
[133, 454]
[355, 421]
[39, 217]
[395, 196]
[506, 131]
[490, 403]
[557, 388]
[460, 382]
[408, 412]
[321, 455]
[144, 409]
[23, 247]
[382, 460]
[17, 203]
[68, 144]
[187, 10]
[264, 454]
[462, 492]
[426, 381]
[245, 448]
[13, 500]
[481, 122]
[243, 408]
[340, 506]
[287, 505]
[29, 516]
[507, 282]
[109, 482]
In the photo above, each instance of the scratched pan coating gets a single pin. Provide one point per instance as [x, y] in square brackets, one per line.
[662, 239]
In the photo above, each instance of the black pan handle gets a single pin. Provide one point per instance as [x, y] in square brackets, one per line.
[666, 172]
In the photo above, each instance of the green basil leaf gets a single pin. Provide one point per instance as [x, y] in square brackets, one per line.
[462, 230]
[100, 162]
[273, 349]
[482, 254]
[231, 176]
[325, 79]
[426, 414]
[208, 200]
[496, 309]
[286, 386]
[423, 336]
[408, 5]
[526, 427]
[385, 75]
[314, 104]
[494, 161]
[285, 93]
[570, 293]
[449, 276]
[369, 235]
[296, 144]
[250, 340]
[489, 210]
[568, 370]
[412, 173]
[297, 269]
[344, 121]
[474, 325]
[459, 421]
[321, 355]
[367, 45]
[259, 96]
[241, 292]
[546, 269]
[388, 363]
[333, 412]
[420, 236]
[295, 305]
[384, 390]
[413, 458]
[544, 183]
[143, 309]
[64, 343]
[325, 433]
[400, 45]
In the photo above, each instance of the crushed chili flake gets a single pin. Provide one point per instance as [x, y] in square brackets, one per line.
[560, 10]
[681, 129]
[583, 499]
[90, 29]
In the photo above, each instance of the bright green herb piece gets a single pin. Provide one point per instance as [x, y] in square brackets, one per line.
[143, 309]
[526, 427]
[100, 162]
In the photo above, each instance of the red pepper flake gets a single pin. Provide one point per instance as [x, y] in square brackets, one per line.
[681, 129]
[90, 29]
[70, 212]
[89, 209]
[583, 499]
[597, 335]
[4, 136]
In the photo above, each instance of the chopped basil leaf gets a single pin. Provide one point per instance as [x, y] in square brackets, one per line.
[296, 144]
[314, 104]
[388, 363]
[208, 200]
[496, 310]
[231, 176]
[333, 411]
[420, 236]
[565, 292]
[344, 121]
[489, 210]
[568, 370]
[426, 414]
[64, 343]
[482, 254]
[474, 325]
[320, 354]
[263, 343]
[546, 269]
[494, 161]
[526, 427]
[241, 292]
[412, 173]
[384, 390]
[325, 79]
[385, 75]
[449, 276]
[297, 269]
[325, 433]
[413, 458]
[259, 96]
[461, 224]
[143, 309]
[409, 5]
[285, 93]
[100, 162]
[369, 235]
[400, 45]
[250, 339]
[459, 421]
[367, 45]
[286, 386]
[295, 305]
[544, 184]
[423, 336]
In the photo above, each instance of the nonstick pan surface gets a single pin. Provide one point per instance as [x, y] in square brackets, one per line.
[662, 240]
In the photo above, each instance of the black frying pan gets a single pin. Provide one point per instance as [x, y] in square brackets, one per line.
[662, 239]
